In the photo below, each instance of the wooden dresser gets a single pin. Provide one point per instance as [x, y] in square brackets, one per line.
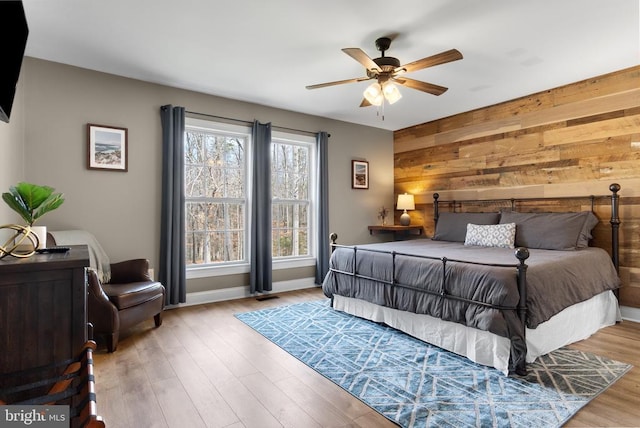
[43, 310]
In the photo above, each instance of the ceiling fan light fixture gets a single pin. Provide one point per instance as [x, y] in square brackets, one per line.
[391, 93]
[374, 94]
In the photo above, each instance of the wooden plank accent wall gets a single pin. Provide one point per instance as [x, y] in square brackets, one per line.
[572, 140]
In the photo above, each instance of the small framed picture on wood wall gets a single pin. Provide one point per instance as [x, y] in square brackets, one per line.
[107, 148]
[359, 174]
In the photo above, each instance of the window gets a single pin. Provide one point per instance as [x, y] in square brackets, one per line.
[217, 198]
[215, 193]
[292, 189]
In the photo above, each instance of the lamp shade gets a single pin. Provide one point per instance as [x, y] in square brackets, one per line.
[405, 202]
[373, 94]
[391, 92]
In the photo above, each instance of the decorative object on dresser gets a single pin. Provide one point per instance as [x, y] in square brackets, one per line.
[30, 201]
[405, 202]
[107, 148]
[478, 300]
[120, 295]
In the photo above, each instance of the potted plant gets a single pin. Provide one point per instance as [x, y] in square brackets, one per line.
[31, 201]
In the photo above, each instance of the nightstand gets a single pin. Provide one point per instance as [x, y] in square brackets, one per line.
[399, 232]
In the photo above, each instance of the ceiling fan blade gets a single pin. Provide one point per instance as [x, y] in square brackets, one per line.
[338, 82]
[365, 103]
[430, 61]
[421, 86]
[360, 56]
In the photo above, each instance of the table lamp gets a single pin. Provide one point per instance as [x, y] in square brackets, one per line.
[405, 202]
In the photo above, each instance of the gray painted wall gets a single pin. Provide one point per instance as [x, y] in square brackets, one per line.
[45, 143]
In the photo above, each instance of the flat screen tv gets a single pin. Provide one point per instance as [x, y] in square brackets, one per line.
[14, 31]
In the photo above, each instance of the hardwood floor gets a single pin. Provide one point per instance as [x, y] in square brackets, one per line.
[204, 368]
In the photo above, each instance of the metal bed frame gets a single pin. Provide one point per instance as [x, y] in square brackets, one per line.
[521, 254]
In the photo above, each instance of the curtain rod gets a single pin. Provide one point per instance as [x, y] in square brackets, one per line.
[248, 122]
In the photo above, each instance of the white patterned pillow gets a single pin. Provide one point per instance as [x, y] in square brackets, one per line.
[492, 235]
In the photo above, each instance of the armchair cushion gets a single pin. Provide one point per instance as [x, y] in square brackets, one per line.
[131, 294]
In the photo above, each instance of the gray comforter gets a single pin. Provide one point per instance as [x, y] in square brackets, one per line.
[555, 280]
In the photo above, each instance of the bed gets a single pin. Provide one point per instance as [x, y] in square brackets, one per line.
[501, 282]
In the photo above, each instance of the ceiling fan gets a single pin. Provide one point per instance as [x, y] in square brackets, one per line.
[387, 71]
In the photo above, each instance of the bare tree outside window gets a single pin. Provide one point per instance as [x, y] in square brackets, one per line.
[290, 177]
[215, 194]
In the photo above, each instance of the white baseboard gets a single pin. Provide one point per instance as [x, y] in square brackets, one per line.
[630, 314]
[223, 294]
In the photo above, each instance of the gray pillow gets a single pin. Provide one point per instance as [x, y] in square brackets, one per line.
[551, 231]
[585, 234]
[453, 226]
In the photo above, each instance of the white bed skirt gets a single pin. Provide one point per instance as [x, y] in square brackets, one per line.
[575, 323]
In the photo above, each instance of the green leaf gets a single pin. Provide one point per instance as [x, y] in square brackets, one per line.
[17, 204]
[50, 204]
[32, 201]
[33, 195]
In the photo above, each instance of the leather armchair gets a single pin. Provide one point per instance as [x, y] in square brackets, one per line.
[130, 297]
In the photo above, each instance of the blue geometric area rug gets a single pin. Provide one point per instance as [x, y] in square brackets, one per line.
[415, 384]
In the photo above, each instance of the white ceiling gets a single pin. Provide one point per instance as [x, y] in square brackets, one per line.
[267, 51]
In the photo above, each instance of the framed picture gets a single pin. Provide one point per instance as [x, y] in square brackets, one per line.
[359, 174]
[107, 148]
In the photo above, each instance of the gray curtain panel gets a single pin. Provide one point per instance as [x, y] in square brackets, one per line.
[261, 271]
[323, 249]
[171, 272]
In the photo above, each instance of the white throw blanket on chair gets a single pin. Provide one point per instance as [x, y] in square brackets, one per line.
[98, 259]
